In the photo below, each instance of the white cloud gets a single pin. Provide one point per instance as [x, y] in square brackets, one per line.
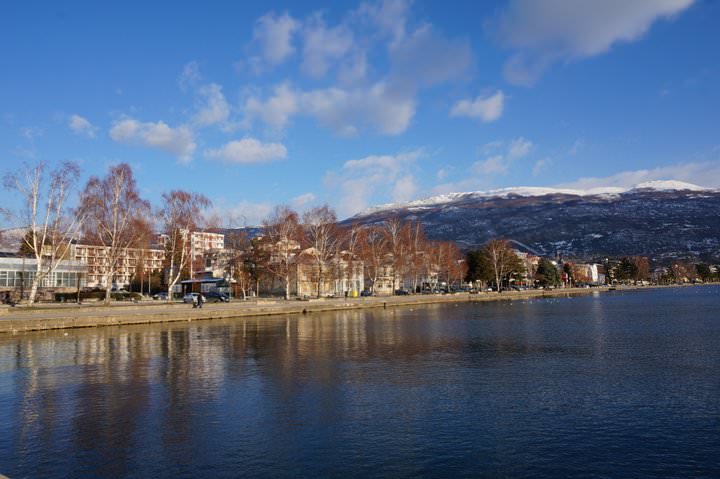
[703, 173]
[189, 76]
[499, 157]
[302, 201]
[212, 108]
[81, 126]
[176, 141]
[495, 165]
[519, 147]
[247, 213]
[486, 109]
[374, 178]
[404, 188]
[385, 108]
[540, 166]
[248, 151]
[491, 147]
[427, 58]
[276, 111]
[388, 16]
[390, 164]
[323, 45]
[353, 69]
[31, 133]
[361, 98]
[543, 33]
[274, 36]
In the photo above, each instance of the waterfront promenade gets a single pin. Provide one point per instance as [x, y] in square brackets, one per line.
[62, 316]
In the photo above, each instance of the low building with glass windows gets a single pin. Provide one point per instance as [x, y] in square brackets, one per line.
[17, 273]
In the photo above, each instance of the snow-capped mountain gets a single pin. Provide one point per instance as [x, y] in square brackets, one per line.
[658, 185]
[661, 219]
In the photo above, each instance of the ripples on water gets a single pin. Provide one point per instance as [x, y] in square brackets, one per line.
[612, 385]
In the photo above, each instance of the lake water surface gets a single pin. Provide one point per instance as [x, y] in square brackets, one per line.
[607, 385]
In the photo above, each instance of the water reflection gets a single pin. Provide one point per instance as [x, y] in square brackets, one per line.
[452, 389]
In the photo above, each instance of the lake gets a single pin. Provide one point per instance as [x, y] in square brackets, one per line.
[618, 384]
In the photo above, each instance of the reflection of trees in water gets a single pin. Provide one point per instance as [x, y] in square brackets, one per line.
[111, 404]
[111, 392]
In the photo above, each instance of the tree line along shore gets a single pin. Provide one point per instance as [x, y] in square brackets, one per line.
[105, 242]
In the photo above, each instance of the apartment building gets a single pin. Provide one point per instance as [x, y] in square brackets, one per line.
[202, 242]
[96, 260]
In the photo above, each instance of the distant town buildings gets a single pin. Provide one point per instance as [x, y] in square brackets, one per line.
[272, 268]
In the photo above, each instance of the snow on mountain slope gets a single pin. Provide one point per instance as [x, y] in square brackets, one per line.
[668, 185]
[529, 191]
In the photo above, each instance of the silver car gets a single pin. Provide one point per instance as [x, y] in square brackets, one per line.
[190, 297]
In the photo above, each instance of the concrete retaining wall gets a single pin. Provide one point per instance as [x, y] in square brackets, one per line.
[96, 316]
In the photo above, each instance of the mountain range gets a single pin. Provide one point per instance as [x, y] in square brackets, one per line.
[664, 220]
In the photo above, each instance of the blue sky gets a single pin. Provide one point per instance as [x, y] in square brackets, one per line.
[361, 103]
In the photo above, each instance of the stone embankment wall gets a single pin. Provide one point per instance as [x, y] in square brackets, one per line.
[40, 318]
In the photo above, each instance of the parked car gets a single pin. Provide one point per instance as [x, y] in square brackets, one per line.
[215, 297]
[190, 297]
[401, 292]
[366, 292]
[160, 296]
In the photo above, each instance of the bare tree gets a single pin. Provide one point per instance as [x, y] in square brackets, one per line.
[112, 208]
[530, 264]
[285, 236]
[51, 227]
[373, 248]
[503, 259]
[455, 266]
[436, 262]
[641, 268]
[236, 259]
[258, 261]
[397, 244]
[144, 235]
[417, 245]
[322, 237]
[180, 216]
[348, 245]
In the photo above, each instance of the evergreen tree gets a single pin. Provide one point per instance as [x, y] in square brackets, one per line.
[703, 271]
[479, 268]
[547, 273]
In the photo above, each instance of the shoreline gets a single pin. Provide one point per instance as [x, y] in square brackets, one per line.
[41, 318]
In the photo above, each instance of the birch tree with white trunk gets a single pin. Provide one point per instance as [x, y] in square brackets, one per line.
[397, 243]
[322, 238]
[373, 249]
[112, 208]
[51, 225]
[502, 258]
[285, 236]
[180, 215]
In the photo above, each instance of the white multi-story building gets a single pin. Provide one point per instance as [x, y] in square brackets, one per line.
[97, 262]
[202, 242]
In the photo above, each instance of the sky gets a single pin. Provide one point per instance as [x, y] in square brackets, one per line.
[356, 104]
